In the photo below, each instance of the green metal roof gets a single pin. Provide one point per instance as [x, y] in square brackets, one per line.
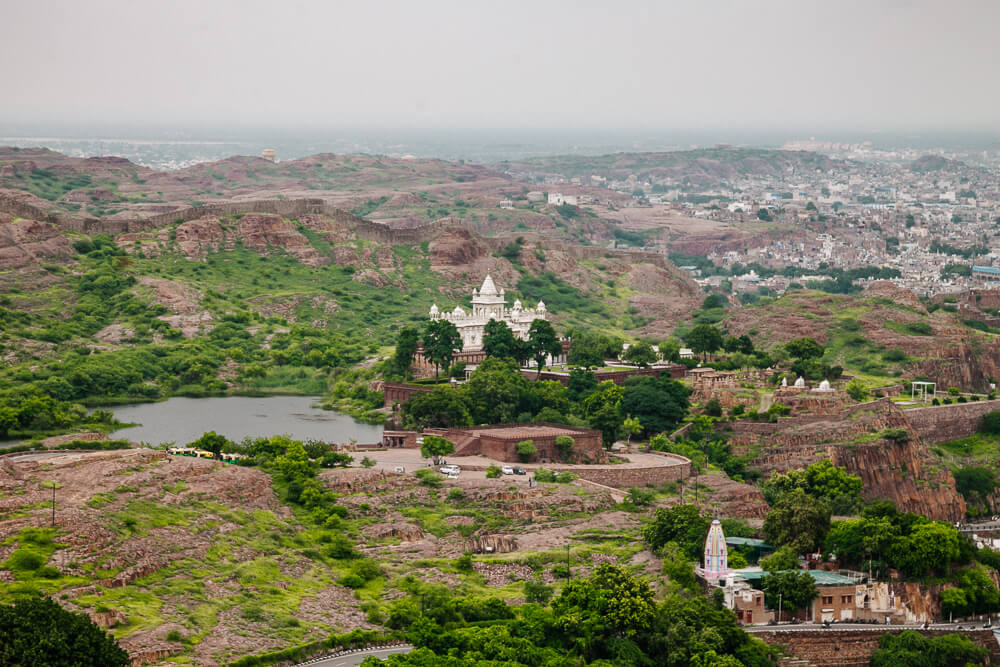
[748, 542]
[821, 577]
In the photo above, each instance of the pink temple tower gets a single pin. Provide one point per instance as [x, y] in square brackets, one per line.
[716, 561]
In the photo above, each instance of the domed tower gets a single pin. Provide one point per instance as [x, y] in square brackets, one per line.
[489, 304]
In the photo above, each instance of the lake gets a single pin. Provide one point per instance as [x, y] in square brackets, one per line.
[181, 420]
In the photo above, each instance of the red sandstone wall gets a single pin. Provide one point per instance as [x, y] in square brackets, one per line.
[941, 423]
[854, 648]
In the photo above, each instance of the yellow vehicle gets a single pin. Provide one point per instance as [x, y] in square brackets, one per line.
[182, 451]
[202, 454]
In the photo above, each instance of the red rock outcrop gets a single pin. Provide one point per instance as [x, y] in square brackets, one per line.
[262, 231]
[198, 237]
[904, 472]
[24, 242]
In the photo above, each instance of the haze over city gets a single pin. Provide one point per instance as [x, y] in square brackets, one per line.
[808, 66]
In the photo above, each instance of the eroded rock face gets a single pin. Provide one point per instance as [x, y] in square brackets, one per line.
[197, 238]
[262, 232]
[24, 242]
[903, 472]
[455, 247]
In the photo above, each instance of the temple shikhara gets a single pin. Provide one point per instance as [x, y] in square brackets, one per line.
[716, 561]
[488, 304]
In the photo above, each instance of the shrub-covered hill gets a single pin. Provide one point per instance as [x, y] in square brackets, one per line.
[207, 562]
[884, 333]
[270, 303]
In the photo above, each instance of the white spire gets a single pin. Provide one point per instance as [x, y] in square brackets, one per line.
[488, 288]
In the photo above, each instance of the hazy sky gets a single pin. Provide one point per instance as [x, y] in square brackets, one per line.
[889, 64]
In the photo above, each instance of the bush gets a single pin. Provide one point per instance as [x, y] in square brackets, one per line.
[428, 477]
[174, 636]
[464, 563]
[537, 593]
[526, 450]
[367, 462]
[990, 423]
[351, 581]
[492, 472]
[641, 497]
[25, 561]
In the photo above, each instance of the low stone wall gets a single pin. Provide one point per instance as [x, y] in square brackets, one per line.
[850, 648]
[621, 477]
[942, 423]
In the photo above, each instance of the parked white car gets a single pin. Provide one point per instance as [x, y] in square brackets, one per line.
[450, 470]
[507, 470]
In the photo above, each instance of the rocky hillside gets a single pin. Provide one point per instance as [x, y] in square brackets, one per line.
[884, 332]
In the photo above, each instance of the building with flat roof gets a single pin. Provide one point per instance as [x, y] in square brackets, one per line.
[499, 441]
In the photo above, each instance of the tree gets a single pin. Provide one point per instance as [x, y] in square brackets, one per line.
[670, 349]
[797, 589]
[799, 521]
[660, 404]
[602, 410]
[441, 340]
[975, 482]
[611, 603]
[682, 524]
[434, 447]
[764, 215]
[641, 354]
[498, 340]
[526, 450]
[543, 342]
[211, 442]
[704, 339]
[564, 443]
[444, 407]
[781, 560]
[631, 426]
[990, 423]
[911, 648]
[581, 384]
[495, 391]
[804, 348]
[929, 547]
[856, 389]
[406, 350]
[37, 631]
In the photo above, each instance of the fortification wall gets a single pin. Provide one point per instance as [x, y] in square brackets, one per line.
[850, 648]
[942, 423]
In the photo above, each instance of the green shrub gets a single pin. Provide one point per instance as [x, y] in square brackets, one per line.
[25, 561]
[537, 593]
[492, 472]
[174, 636]
[428, 477]
[526, 450]
[464, 563]
[351, 581]
[47, 572]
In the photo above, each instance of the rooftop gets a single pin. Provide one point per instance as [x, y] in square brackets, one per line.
[821, 577]
[524, 431]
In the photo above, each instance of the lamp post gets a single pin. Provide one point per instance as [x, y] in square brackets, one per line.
[779, 608]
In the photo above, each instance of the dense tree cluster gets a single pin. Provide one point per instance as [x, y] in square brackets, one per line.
[821, 480]
[609, 618]
[498, 393]
[37, 631]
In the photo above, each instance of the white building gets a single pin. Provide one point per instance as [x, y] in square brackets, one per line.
[488, 304]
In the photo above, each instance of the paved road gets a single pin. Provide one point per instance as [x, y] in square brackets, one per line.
[355, 659]
[840, 627]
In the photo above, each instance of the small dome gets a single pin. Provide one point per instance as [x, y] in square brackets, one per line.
[824, 385]
[517, 304]
[434, 309]
[541, 307]
[458, 311]
[801, 382]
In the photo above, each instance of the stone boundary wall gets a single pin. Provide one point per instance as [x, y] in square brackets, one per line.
[625, 478]
[942, 423]
[674, 371]
[402, 392]
[854, 648]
